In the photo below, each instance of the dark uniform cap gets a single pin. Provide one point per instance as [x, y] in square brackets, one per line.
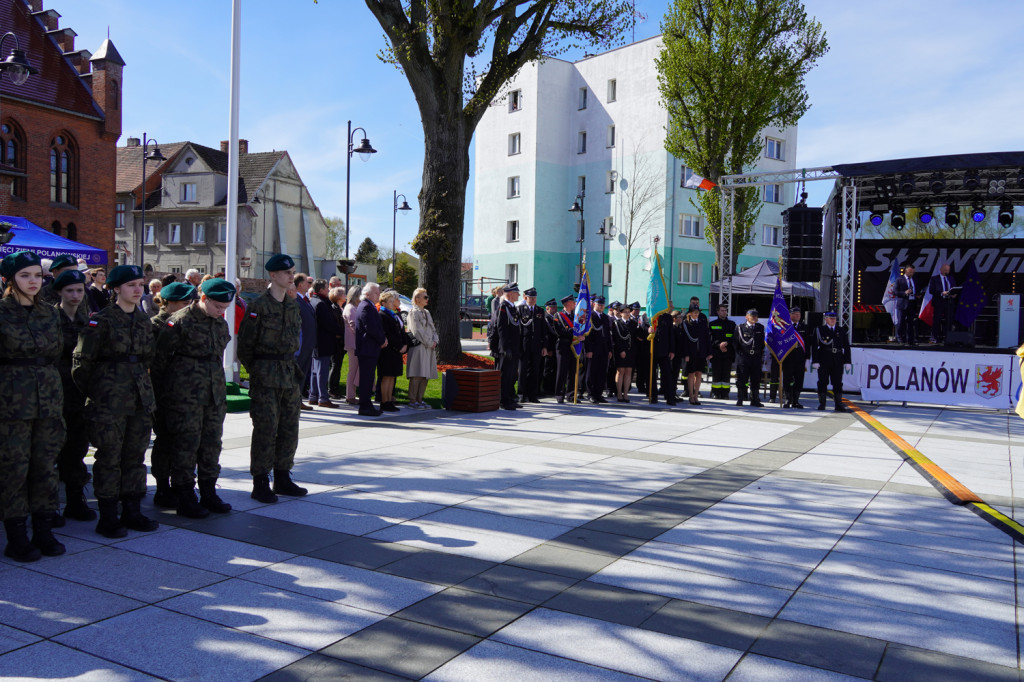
[280, 261]
[530, 292]
[63, 261]
[753, 311]
[178, 291]
[567, 297]
[124, 273]
[67, 278]
[551, 302]
[511, 288]
[20, 260]
[599, 299]
[696, 306]
[795, 309]
[635, 305]
[219, 290]
[615, 305]
[831, 313]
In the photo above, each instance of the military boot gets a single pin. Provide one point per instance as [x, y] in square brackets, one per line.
[42, 534]
[261, 491]
[164, 495]
[18, 547]
[188, 506]
[132, 516]
[283, 484]
[77, 508]
[208, 497]
[109, 525]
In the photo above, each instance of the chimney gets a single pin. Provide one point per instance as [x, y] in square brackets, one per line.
[80, 60]
[243, 146]
[224, 144]
[49, 17]
[65, 37]
[133, 142]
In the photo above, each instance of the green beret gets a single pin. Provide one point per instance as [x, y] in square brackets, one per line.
[64, 261]
[67, 278]
[219, 290]
[13, 262]
[280, 261]
[178, 291]
[124, 273]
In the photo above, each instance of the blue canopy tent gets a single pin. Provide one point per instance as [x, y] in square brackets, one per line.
[30, 237]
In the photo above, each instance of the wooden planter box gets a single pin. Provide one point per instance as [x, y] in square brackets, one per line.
[471, 390]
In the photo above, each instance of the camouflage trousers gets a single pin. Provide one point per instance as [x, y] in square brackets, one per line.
[71, 460]
[196, 441]
[28, 459]
[275, 428]
[121, 442]
[162, 456]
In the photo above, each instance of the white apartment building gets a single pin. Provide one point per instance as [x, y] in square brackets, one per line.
[596, 127]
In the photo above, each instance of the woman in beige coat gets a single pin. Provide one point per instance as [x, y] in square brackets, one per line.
[421, 365]
[349, 313]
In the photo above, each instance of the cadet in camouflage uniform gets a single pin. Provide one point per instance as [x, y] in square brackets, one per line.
[268, 339]
[111, 366]
[31, 428]
[173, 298]
[193, 400]
[61, 264]
[73, 313]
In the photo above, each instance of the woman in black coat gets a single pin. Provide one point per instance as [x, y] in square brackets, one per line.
[389, 364]
[622, 350]
[696, 345]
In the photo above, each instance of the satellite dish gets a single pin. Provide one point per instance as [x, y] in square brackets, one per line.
[647, 254]
[647, 267]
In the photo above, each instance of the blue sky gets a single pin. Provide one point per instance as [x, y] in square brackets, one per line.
[904, 78]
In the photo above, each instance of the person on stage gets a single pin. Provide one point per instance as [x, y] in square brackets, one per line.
[943, 302]
[830, 355]
[907, 296]
[795, 364]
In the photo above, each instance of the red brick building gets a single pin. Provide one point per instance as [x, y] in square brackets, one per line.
[59, 129]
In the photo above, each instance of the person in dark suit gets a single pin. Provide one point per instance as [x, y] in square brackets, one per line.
[641, 346]
[389, 363]
[942, 302]
[564, 357]
[325, 342]
[664, 354]
[534, 333]
[507, 344]
[550, 364]
[907, 296]
[795, 364]
[830, 355]
[723, 331]
[696, 350]
[598, 347]
[369, 340]
[307, 338]
[749, 345]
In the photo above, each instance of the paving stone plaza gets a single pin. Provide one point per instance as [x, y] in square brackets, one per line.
[556, 543]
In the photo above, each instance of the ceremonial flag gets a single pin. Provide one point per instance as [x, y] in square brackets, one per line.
[657, 292]
[698, 182]
[889, 299]
[927, 312]
[972, 297]
[581, 317]
[781, 337]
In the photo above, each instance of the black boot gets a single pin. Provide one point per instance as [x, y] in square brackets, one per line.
[42, 534]
[208, 497]
[18, 547]
[133, 518]
[164, 495]
[109, 525]
[283, 484]
[840, 405]
[261, 491]
[77, 508]
[188, 506]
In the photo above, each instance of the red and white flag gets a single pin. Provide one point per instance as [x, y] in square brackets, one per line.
[927, 313]
[697, 182]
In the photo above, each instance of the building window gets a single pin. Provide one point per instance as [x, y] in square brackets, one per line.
[176, 269]
[174, 233]
[201, 269]
[581, 185]
[119, 209]
[611, 136]
[609, 185]
[73, 232]
[689, 225]
[689, 273]
[55, 227]
[611, 90]
[63, 170]
[198, 233]
[607, 274]
[773, 194]
[188, 191]
[579, 231]
[515, 100]
[222, 233]
[687, 173]
[512, 272]
[608, 227]
[514, 144]
[148, 233]
[512, 231]
[581, 142]
[513, 187]
[583, 98]
[771, 235]
[12, 153]
[773, 148]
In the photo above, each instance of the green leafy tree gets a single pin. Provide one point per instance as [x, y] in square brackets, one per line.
[334, 243]
[368, 252]
[728, 69]
[406, 279]
[384, 264]
[436, 44]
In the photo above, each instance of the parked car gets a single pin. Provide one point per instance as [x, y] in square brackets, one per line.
[404, 308]
[474, 308]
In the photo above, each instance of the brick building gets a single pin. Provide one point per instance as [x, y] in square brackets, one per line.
[59, 129]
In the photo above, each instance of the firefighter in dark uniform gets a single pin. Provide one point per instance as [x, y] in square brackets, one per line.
[749, 346]
[641, 346]
[598, 347]
[664, 354]
[796, 362]
[507, 343]
[723, 331]
[549, 366]
[565, 358]
[534, 332]
[830, 355]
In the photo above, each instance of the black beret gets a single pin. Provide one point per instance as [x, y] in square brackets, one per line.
[124, 273]
[178, 291]
[19, 260]
[219, 290]
[280, 261]
[63, 261]
[67, 278]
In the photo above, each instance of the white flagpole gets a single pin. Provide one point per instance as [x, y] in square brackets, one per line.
[230, 247]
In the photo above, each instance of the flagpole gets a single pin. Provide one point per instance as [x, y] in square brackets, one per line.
[782, 383]
[650, 366]
[576, 384]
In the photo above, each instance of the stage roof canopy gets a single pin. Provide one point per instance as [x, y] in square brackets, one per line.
[30, 237]
[760, 279]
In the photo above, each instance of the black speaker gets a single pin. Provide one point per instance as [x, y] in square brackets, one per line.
[801, 240]
[960, 339]
[801, 269]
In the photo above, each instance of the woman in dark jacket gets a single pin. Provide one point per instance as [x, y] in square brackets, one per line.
[390, 365]
[327, 332]
[338, 299]
[622, 348]
[696, 347]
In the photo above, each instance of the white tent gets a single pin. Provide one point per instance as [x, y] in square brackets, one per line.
[760, 279]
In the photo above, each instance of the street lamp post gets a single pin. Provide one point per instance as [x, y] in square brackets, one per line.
[364, 150]
[154, 155]
[394, 223]
[577, 207]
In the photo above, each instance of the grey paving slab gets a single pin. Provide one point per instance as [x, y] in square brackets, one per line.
[324, 516]
[11, 639]
[464, 611]
[364, 552]
[320, 668]
[755, 668]
[437, 567]
[956, 562]
[908, 664]
[726, 565]
[821, 648]
[519, 584]
[174, 646]
[570, 563]
[598, 542]
[704, 623]
[401, 647]
[50, 661]
[491, 660]
[274, 533]
[369, 503]
[208, 552]
[607, 603]
[752, 546]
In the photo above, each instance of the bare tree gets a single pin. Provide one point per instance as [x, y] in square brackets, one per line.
[642, 199]
[334, 244]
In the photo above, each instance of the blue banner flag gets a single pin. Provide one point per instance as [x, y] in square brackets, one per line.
[781, 336]
[657, 292]
[581, 317]
[972, 297]
[889, 300]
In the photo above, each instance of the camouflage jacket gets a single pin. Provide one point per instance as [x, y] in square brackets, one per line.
[70, 329]
[159, 323]
[268, 340]
[50, 296]
[30, 345]
[111, 362]
[189, 352]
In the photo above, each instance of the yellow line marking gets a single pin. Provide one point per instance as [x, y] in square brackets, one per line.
[999, 518]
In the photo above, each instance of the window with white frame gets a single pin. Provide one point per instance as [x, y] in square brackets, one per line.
[188, 191]
[119, 210]
[583, 98]
[222, 233]
[771, 235]
[201, 269]
[689, 273]
[512, 231]
[773, 148]
[176, 269]
[512, 272]
[513, 187]
[148, 233]
[607, 274]
[609, 184]
[611, 136]
[174, 233]
[687, 173]
[612, 87]
[581, 142]
[773, 194]
[198, 233]
[515, 100]
[608, 227]
[514, 144]
[689, 225]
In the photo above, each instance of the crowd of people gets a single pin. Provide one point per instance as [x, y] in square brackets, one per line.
[534, 350]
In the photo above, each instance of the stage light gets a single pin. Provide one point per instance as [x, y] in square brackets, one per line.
[897, 218]
[978, 212]
[927, 215]
[952, 215]
[907, 184]
[1020, 179]
[937, 183]
[886, 187]
[997, 185]
[1006, 214]
[971, 180]
[877, 218]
